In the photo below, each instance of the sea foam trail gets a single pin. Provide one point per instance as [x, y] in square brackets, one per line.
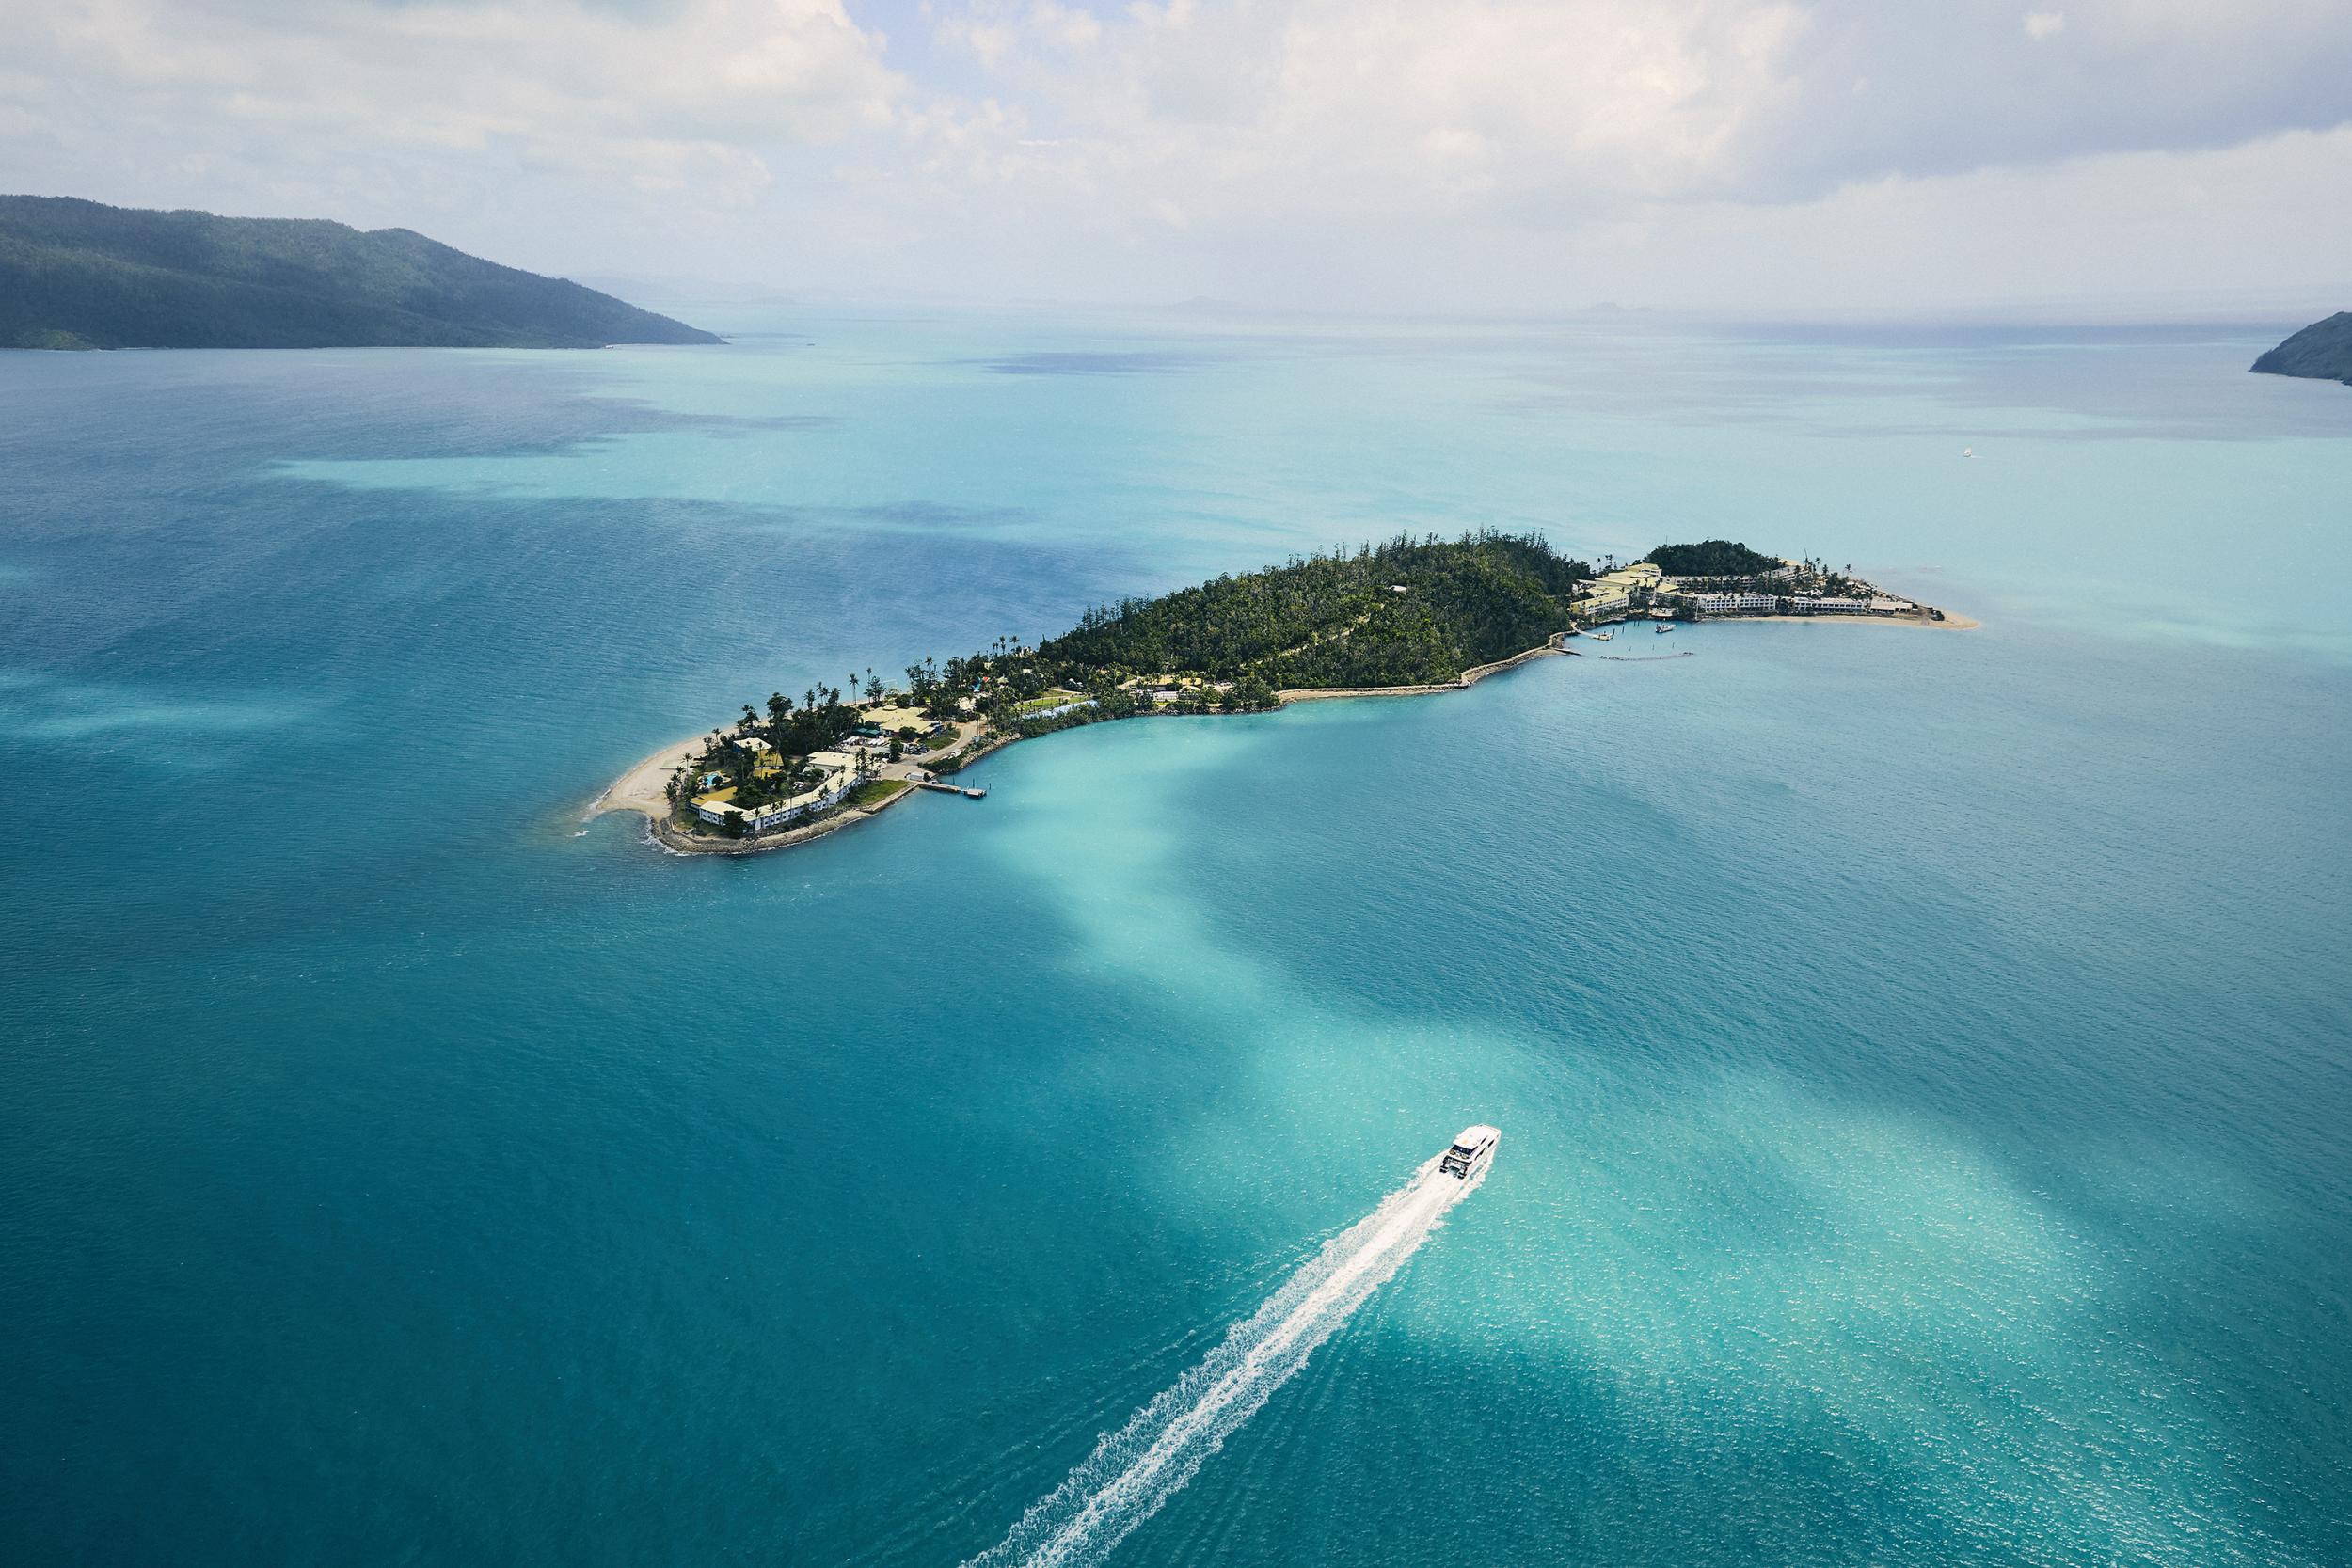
[1135, 1469]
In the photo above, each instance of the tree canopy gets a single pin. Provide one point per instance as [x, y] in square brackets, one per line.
[1339, 619]
[1712, 558]
[1408, 613]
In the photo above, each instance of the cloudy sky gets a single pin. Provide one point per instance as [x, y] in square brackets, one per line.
[1405, 154]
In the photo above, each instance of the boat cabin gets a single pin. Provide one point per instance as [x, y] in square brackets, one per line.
[1472, 1148]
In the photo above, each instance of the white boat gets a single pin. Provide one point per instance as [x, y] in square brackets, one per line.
[1663, 628]
[1473, 1147]
[1602, 636]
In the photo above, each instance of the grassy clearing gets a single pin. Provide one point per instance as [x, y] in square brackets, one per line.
[1050, 699]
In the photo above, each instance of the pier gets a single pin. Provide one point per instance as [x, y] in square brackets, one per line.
[979, 793]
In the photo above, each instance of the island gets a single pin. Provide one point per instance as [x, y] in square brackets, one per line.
[2322, 351]
[1404, 618]
[79, 274]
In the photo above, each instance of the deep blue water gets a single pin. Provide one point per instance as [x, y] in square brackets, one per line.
[1922, 1056]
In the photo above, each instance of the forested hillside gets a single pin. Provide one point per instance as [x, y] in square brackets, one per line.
[2322, 350]
[1339, 619]
[1712, 558]
[79, 274]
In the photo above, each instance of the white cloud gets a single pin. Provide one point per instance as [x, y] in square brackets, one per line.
[1380, 106]
[1504, 152]
[1538, 113]
[697, 91]
[2115, 227]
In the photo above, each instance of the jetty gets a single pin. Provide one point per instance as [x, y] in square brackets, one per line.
[969, 793]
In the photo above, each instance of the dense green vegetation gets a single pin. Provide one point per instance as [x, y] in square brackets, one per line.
[79, 274]
[1408, 613]
[1339, 619]
[788, 731]
[1712, 558]
[820, 721]
[1404, 613]
[2322, 350]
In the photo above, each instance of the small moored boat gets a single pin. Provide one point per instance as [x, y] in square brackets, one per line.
[1473, 1147]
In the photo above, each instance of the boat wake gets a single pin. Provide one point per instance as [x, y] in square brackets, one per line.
[1135, 1469]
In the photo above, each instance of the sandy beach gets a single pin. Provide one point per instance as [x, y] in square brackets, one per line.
[646, 787]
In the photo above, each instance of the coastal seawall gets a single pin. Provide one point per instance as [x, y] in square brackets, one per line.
[1462, 682]
[667, 835]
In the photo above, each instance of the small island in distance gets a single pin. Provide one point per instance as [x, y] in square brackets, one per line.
[2322, 351]
[1404, 618]
[79, 274]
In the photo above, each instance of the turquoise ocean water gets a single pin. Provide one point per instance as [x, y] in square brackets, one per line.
[1921, 1057]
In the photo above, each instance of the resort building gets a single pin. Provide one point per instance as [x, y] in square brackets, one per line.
[1612, 596]
[842, 777]
[760, 819]
[1605, 605]
[1733, 604]
[1814, 604]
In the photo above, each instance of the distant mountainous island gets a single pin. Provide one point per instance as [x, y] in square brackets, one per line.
[2322, 351]
[80, 275]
